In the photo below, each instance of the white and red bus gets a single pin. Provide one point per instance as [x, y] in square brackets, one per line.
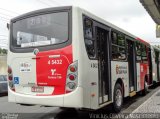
[68, 57]
[155, 57]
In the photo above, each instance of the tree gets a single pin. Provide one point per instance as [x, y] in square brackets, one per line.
[0, 50]
[4, 51]
[157, 46]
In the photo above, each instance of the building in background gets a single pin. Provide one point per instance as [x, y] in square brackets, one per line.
[3, 65]
[3, 61]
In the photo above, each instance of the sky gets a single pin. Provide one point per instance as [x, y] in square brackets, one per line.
[129, 15]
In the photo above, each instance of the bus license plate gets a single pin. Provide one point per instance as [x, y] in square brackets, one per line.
[37, 89]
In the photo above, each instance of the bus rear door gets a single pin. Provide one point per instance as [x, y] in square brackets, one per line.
[103, 64]
[132, 66]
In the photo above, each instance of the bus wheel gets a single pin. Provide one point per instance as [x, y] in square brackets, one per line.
[118, 98]
[145, 90]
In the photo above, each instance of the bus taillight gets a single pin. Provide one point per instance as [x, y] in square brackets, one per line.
[73, 68]
[10, 78]
[9, 70]
[72, 77]
[9, 73]
[71, 85]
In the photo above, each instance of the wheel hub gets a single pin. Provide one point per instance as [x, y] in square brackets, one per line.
[118, 97]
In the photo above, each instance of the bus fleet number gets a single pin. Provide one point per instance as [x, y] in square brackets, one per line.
[54, 62]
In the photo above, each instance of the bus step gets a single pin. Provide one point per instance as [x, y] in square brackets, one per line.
[133, 93]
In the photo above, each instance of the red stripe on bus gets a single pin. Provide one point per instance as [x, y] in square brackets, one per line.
[143, 73]
[143, 41]
[51, 68]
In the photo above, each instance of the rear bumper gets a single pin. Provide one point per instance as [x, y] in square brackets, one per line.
[73, 99]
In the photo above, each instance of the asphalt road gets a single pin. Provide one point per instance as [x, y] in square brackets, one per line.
[41, 112]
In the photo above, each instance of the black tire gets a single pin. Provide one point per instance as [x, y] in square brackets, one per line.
[154, 84]
[26, 104]
[117, 100]
[145, 90]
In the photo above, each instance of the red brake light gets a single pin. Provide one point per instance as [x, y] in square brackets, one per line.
[9, 70]
[71, 77]
[10, 78]
[72, 68]
[10, 73]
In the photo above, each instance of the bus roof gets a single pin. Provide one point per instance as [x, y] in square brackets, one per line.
[46, 10]
[143, 41]
[112, 25]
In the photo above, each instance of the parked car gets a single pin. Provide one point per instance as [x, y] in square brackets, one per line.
[3, 84]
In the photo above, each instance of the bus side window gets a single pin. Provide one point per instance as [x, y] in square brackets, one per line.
[144, 53]
[138, 52]
[156, 56]
[121, 40]
[88, 37]
[114, 46]
[88, 28]
[118, 47]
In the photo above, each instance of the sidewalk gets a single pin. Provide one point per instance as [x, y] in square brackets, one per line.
[150, 109]
[152, 105]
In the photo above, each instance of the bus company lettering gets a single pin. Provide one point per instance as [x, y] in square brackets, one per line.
[56, 76]
[121, 69]
[25, 67]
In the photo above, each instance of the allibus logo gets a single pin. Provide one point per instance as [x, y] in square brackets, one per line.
[36, 51]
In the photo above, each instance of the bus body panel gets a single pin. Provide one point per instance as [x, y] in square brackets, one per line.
[51, 68]
[93, 84]
[40, 71]
[143, 74]
[138, 77]
[79, 54]
[57, 100]
[120, 71]
[22, 77]
[154, 65]
[89, 75]
[74, 99]
[156, 62]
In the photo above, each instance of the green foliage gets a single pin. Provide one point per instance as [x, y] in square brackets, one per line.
[3, 51]
[157, 46]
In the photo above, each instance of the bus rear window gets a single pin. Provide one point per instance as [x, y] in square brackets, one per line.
[41, 30]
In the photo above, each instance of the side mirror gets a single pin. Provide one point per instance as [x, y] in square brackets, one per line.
[8, 26]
